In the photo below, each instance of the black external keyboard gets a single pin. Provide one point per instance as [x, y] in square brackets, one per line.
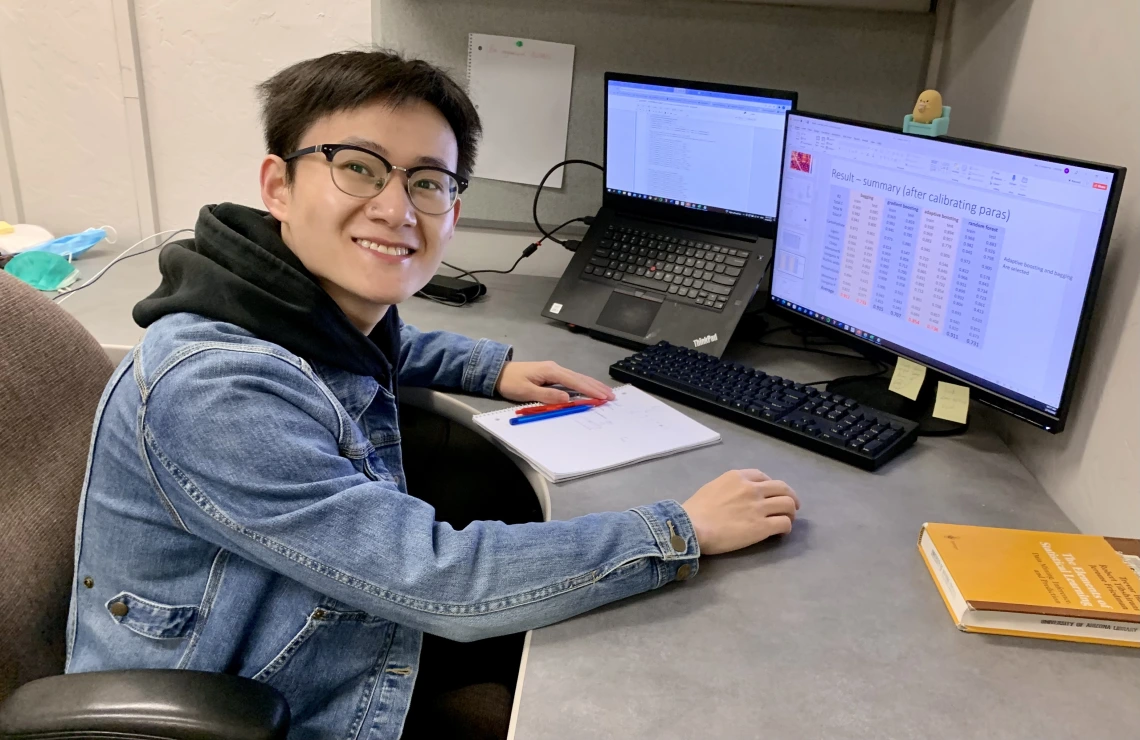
[820, 421]
[685, 270]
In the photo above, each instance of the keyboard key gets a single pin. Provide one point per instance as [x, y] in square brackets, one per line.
[719, 258]
[718, 289]
[687, 282]
[673, 288]
[589, 269]
[719, 269]
[690, 262]
[640, 271]
[735, 261]
[733, 271]
[723, 280]
[701, 254]
[600, 262]
[698, 283]
[700, 264]
[618, 276]
[601, 253]
[700, 301]
[643, 282]
[690, 252]
[609, 273]
[706, 275]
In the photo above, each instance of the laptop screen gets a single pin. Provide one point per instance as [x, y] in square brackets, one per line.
[692, 148]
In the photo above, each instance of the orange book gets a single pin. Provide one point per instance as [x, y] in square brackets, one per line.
[1074, 587]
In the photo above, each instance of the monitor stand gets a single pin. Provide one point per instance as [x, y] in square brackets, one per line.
[875, 392]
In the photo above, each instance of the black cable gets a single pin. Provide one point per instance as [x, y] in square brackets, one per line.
[530, 249]
[537, 193]
[883, 367]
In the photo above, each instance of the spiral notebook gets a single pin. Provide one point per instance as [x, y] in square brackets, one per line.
[632, 428]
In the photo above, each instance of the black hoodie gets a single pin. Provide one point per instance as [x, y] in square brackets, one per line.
[237, 269]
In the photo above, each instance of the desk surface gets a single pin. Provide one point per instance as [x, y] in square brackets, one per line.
[835, 631]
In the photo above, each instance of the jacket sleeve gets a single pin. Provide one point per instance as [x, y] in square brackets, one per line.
[253, 465]
[446, 360]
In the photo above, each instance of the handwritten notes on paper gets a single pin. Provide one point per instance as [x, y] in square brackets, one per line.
[952, 402]
[908, 377]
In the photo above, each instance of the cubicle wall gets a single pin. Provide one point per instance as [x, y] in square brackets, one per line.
[859, 63]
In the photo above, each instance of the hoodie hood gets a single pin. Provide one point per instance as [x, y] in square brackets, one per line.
[238, 270]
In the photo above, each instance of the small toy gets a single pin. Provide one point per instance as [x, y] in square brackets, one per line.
[930, 116]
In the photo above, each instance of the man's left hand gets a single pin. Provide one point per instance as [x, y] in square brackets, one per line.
[528, 381]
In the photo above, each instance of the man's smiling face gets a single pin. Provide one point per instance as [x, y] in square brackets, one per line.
[367, 253]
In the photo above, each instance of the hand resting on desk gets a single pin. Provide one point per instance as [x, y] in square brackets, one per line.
[528, 381]
[739, 509]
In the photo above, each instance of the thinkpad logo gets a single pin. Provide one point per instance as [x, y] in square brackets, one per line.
[704, 340]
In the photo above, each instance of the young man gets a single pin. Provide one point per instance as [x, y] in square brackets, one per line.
[246, 509]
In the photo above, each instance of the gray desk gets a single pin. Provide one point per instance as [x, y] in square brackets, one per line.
[834, 632]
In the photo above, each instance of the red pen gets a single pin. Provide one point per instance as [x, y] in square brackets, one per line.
[529, 410]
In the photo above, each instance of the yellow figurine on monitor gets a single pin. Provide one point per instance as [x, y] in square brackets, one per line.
[930, 116]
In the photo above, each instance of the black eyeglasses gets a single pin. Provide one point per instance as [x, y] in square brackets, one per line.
[362, 173]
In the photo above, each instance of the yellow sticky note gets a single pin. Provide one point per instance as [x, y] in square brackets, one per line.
[6, 228]
[952, 402]
[908, 377]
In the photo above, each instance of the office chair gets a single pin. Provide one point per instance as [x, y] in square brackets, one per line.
[52, 373]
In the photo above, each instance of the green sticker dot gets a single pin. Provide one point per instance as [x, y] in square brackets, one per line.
[518, 43]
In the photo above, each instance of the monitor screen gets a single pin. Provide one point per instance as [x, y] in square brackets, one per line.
[695, 148]
[974, 261]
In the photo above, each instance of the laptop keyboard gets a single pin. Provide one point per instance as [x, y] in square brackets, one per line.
[685, 270]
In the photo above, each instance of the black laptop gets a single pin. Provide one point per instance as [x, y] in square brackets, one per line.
[684, 235]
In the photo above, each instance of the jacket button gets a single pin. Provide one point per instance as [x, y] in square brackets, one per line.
[319, 614]
[89, 582]
[677, 542]
[119, 609]
[684, 572]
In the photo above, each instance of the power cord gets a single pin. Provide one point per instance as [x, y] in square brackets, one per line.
[538, 193]
[530, 249]
[64, 295]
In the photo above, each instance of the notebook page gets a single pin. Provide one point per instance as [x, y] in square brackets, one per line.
[521, 88]
[634, 426]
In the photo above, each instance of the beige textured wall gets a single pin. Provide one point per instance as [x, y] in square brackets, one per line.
[1064, 77]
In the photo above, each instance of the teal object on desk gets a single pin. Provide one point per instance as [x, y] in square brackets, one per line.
[938, 127]
[549, 415]
[42, 270]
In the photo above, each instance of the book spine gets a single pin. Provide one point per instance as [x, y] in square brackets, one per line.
[956, 604]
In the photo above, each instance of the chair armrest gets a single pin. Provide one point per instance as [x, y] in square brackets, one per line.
[179, 705]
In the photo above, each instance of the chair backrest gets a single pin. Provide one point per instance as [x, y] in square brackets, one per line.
[52, 373]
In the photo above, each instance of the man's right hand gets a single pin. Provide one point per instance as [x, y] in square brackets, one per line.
[739, 509]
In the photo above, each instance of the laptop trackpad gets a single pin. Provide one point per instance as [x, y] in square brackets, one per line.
[629, 313]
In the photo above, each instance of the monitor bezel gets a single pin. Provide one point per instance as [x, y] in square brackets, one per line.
[1054, 422]
[712, 221]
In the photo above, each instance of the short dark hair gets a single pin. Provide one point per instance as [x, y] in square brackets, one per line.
[300, 95]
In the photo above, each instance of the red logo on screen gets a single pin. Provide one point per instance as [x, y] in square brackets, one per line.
[801, 161]
[1097, 185]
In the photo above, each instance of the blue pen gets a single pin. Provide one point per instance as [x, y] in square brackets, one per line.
[549, 415]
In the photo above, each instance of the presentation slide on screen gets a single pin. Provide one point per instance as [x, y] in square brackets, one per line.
[986, 278]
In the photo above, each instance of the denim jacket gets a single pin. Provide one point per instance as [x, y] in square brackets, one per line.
[245, 511]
